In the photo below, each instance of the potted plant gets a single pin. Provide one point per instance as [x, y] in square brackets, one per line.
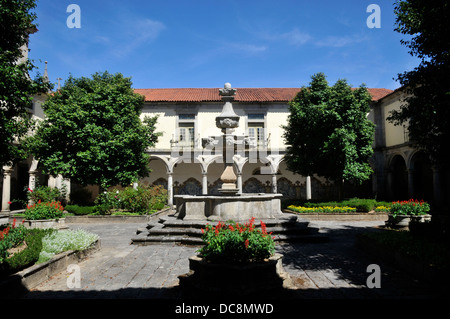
[404, 212]
[45, 215]
[236, 260]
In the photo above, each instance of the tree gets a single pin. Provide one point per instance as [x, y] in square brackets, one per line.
[16, 87]
[426, 110]
[328, 132]
[93, 133]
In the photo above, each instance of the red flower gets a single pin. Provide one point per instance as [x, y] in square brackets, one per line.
[246, 243]
[9, 203]
[30, 190]
[263, 228]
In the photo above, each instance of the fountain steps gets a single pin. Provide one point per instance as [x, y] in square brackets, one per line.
[169, 229]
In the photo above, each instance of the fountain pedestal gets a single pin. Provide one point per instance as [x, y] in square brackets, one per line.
[222, 207]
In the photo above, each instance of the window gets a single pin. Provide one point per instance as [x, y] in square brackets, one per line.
[186, 130]
[256, 131]
[255, 124]
[186, 134]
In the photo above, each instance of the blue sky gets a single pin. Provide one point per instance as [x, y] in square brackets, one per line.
[205, 43]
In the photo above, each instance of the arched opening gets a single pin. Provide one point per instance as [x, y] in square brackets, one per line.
[422, 176]
[399, 186]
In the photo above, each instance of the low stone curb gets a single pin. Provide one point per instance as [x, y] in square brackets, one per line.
[341, 216]
[87, 219]
[21, 282]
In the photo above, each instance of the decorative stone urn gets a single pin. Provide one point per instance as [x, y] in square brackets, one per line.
[211, 280]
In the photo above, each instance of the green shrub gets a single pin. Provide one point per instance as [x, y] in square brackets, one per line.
[80, 210]
[52, 210]
[141, 200]
[236, 243]
[30, 255]
[44, 194]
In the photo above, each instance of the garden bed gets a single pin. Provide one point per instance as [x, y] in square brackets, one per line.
[21, 282]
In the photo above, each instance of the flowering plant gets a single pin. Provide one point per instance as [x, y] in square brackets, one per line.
[10, 236]
[236, 243]
[323, 209]
[409, 207]
[49, 210]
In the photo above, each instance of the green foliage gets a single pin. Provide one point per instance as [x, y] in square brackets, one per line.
[328, 132]
[44, 194]
[425, 111]
[44, 210]
[410, 207]
[358, 204]
[93, 133]
[141, 200]
[30, 255]
[236, 243]
[80, 210]
[58, 242]
[16, 88]
[10, 236]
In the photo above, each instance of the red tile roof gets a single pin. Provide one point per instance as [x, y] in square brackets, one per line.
[242, 94]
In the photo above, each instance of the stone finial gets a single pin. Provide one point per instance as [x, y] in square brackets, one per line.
[227, 91]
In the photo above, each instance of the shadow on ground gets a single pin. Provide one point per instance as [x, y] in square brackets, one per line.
[336, 269]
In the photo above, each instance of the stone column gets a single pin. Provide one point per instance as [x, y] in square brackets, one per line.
[32, 174]
[274, 183]
[170, 189]
[6, 196]
[204, 183]
[274, 162]
[239, 162]
[239, 182]
[170, 162]
[308, 187]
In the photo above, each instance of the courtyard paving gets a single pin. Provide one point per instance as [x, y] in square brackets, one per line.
[332, 270]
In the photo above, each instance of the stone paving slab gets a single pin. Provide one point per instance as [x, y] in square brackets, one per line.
[334, 269]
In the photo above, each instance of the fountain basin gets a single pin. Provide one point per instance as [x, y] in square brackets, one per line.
[223, 207]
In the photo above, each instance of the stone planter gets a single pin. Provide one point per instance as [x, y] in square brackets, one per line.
[208, 280]
[59, 223]
[402, 221]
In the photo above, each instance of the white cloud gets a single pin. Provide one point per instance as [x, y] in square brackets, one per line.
[139, 33]
[246, 48]
[339, 41]
[296, 37]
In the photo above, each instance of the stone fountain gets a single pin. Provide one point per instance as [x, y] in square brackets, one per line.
[193, 212]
